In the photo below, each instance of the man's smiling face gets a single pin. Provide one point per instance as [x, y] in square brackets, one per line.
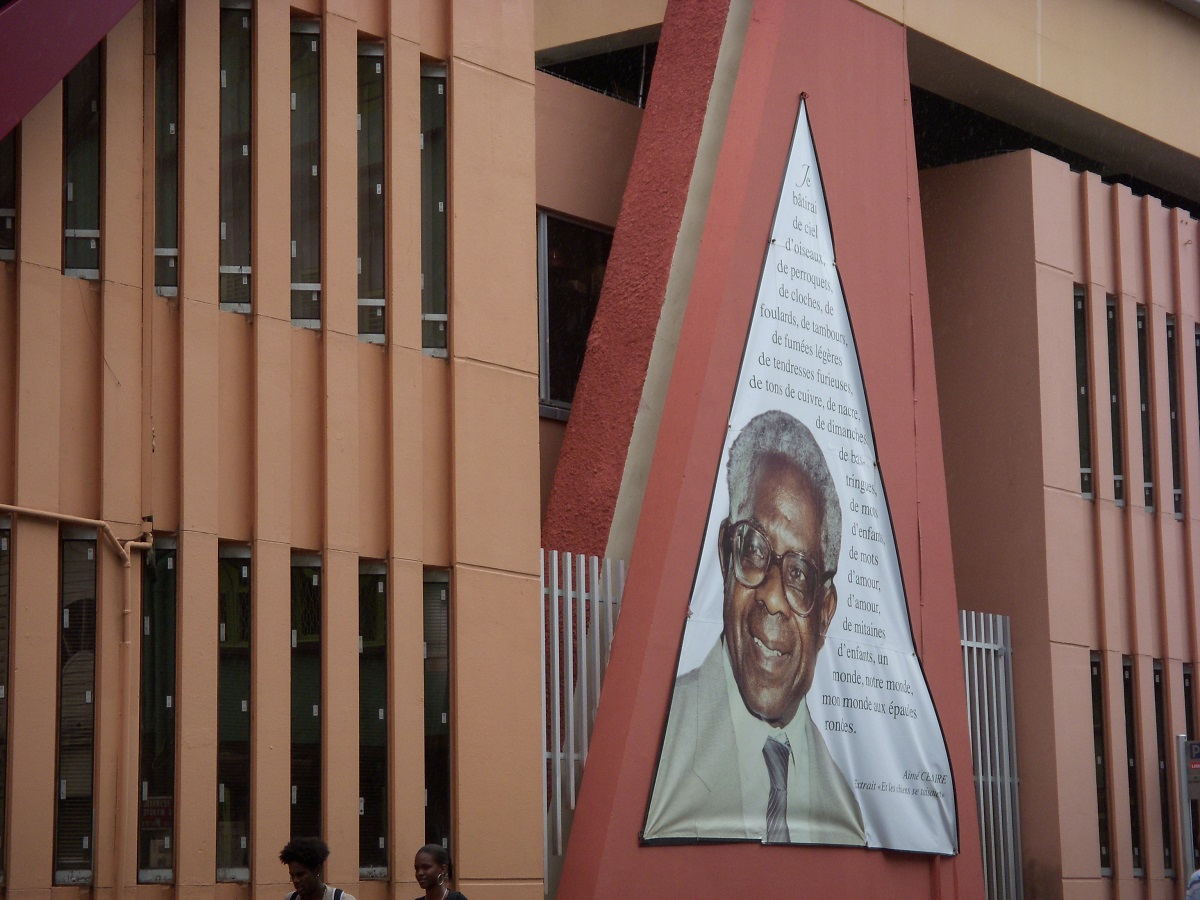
[772, 649]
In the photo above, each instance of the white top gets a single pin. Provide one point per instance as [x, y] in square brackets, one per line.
[751, 733]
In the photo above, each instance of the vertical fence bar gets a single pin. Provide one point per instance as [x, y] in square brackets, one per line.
[608, 610]
[556, 705]
[583, 719]
[1010, 730]
[594, 634]
[989, 743]
[545, 726]
[569, 670]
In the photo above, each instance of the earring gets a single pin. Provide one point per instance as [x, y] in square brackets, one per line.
[441, 877]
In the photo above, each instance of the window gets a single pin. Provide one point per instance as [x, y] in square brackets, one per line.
[1173, 402]
[5, 609]
[1189, 718]
[1083, 397]
[571, 262]
[434, 318]
[81, 168]
[1144, 397]
[166, 147]
[306, 178]
[235, 174]
[372, 211]
[8, 195]
[437, 708]
[1114, 403]
[156, 753]
[76, 708]
[1101, 755]
[1189, 699]
[306, 694]
[372, 727]
[1164, 791]
[623, 74]
[1131, 754]
[233, 714]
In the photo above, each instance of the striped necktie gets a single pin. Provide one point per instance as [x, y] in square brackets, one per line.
[776, 754]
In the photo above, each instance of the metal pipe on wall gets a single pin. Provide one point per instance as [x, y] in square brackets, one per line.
[123, 549]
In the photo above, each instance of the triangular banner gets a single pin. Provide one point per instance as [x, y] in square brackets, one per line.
[798, 630]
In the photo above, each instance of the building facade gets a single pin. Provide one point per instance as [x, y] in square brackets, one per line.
[295, 308]
[230, 299]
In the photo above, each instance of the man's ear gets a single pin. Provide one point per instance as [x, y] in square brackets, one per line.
[723, 548]
[828, 608]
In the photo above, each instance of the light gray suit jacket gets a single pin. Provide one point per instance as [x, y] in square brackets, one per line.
[697, 792]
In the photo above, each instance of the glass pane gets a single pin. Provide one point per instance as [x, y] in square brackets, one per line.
[1131, 755]
[437, 709]
[372, 729]
[235, 155]
[371, 320]
[8, 195]
[1114, 405]
[1144, 396]
[1082, 394]
[624, 74]
[81, 165]
[576, 256]
[1101, 756]
[371, 210]
[233, 720]
[5, 581]
[1164, 759]
[156, 765]
[306, 700]
[306, 180]
[76, 722]
[166, 142]
[433, 209]
[1173, 403]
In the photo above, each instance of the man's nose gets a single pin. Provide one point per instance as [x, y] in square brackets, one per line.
[771, 592]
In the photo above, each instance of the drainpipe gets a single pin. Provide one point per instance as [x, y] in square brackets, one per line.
[124, 551]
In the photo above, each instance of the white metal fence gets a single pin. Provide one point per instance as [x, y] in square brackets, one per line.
[987, 664]
[581, 599]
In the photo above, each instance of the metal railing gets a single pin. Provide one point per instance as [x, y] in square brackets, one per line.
[987, 664]
[581, 599]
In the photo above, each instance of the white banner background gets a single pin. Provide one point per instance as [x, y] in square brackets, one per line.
[869, 697]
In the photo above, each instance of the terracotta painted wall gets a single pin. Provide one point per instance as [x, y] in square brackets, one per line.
[232, 428]
[1008, 240]
[856, 80]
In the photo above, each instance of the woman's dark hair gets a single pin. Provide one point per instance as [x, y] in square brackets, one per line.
[439, 855]
[310, 852]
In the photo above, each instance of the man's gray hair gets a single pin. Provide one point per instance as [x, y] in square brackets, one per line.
[774, 431]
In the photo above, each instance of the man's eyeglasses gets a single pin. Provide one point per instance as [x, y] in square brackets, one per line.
[753, 556]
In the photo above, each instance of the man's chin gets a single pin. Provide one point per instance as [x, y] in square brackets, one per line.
[777, 712]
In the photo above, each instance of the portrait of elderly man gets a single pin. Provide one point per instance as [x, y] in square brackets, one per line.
[741, 757]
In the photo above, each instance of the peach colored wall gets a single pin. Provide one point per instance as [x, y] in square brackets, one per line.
[1008, 238]
[1067, 69]
[1077, 49]
[573, 21]
[584, 149]
[1086, 52]
[242, 429]
[550, 439]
